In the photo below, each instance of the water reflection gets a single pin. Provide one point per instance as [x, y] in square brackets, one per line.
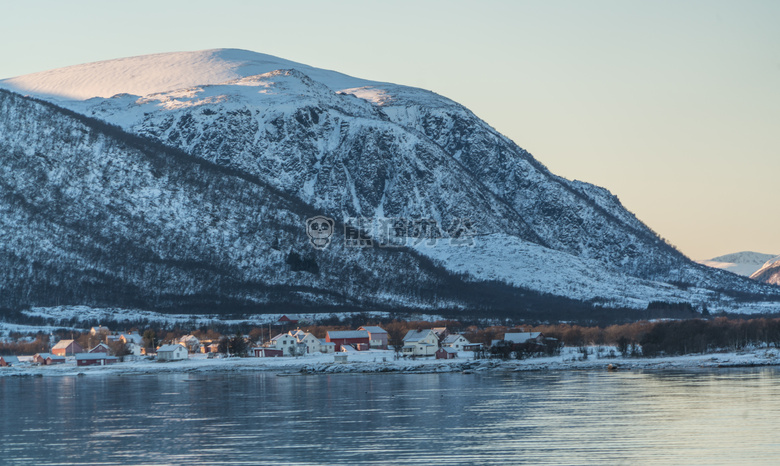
[721, 417]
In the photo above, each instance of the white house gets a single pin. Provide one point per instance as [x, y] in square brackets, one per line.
[456, 342]
[285, 342]
[190, 342]
[519, 338]
[99, 330]
[327, 346]
[171, 353]
[133, 348]
[131, 338]
[420, 343]
[312, 343]
[377, 336]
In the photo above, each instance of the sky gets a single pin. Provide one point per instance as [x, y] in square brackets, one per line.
[674, 106]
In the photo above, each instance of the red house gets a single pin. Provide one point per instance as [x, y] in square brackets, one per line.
[66, 347]
[6, 361]
[288, 320]
[267, 353]
[48, 359]
[359, 339]
[446, 353]
[100, 348]
[94, 359]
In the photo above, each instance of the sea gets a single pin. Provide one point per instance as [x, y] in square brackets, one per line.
[709, 417]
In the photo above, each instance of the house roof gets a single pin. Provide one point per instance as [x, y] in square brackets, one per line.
[449, 350]
[166, 348]
[326, 343]
[521, 337]
[348, 334]
[92, 356]
[453, 338]
[132, 337]
[289, 317]
[63, 344]
[282, 335]
[99, 345]
[187, 338]
[49, 355]
[9, 358]
[373, 329]
[414, 335]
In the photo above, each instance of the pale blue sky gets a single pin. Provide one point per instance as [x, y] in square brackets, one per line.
[674, 106]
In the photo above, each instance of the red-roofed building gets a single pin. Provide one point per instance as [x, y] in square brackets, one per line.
[95, 359]
[358, 339]
[100, 348]
[48, 359]
[6, 361]
[66, 348]
[288, 320]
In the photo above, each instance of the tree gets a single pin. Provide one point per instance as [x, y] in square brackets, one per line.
[224, 345]
[119, 349]
[622, 345]
[237, 345]
[395, 338]
[149, 339]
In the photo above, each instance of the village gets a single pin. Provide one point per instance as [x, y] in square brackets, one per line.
[102, 347]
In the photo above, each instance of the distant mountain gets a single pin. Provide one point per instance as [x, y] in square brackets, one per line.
[769, 272]
[238, 148]
[741, 263]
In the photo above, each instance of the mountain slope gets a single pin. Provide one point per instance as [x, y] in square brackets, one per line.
[769, 272]
[91, 215]
[351, 148]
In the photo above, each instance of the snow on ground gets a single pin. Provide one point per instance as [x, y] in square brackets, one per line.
[379, 361]
[517, 262]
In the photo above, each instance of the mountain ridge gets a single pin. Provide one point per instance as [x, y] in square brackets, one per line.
[744, 263]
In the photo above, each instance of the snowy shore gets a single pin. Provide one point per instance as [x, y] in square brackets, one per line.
[377, 361]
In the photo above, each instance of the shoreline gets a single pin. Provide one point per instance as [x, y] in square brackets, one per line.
[378, 361]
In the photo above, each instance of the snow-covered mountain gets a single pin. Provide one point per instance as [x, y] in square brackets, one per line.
[344, 147]
[744, 263]
[769, 272]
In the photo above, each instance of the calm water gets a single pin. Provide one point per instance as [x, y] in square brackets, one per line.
[723, 417]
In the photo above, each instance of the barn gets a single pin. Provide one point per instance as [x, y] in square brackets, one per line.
[358, 339]
[66, 347]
